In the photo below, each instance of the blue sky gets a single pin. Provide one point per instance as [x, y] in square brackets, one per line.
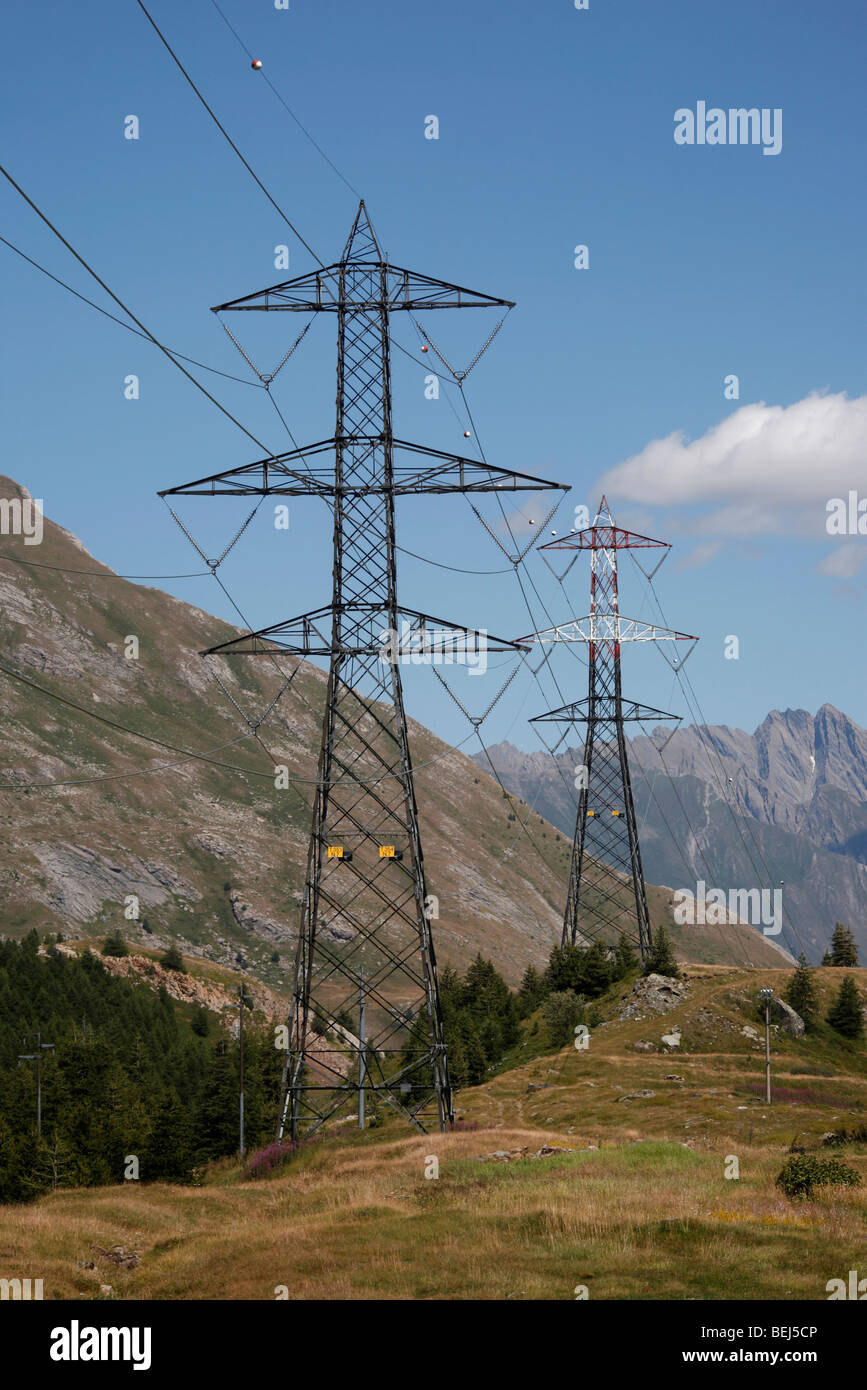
[556, 129]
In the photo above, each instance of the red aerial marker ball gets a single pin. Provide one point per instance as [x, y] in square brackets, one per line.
[425, 348]
[256, 63]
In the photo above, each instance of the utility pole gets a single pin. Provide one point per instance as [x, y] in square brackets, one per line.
[606, 880]
[243, 999]
[766, 997]
[365, 896]
[37, 1058]
[362, 1037]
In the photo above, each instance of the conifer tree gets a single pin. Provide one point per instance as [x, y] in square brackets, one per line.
[565, 969]
[531, 993]
[476, 1063]
[846, 1014]
[168, 1155]
[801, 992]
[561, 1011]
[199, 1022]
[843, 950]
[173, 960]
[595, 970]
[661, 959]
[624, 956]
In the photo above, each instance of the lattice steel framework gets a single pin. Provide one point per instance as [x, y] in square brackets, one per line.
[365, 933]
[606, 880]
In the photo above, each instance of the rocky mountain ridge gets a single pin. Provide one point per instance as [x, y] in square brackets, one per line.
[784, 807]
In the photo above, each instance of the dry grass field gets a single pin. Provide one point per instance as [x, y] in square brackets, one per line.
[647, 1213]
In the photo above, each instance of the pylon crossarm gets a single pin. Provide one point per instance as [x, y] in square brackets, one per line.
[276, 477]
[460, 474]
[272, 476]
[605, 710]
[604, 535]
[421, 636]
[606, 627]
[425, 636]
[605, 538]
[310, 631]
[326, 291]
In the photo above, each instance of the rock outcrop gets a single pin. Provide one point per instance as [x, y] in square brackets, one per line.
[654, 994]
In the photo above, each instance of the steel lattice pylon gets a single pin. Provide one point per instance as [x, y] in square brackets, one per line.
[365, 934]
[606, 881]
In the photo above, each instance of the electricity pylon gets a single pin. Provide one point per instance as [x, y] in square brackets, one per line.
[366, 913]
[606, 881]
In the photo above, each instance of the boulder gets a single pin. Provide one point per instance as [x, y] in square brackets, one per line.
[656, 994]
[789, 1021]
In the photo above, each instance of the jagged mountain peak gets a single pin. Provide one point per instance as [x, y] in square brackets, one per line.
[786, 804]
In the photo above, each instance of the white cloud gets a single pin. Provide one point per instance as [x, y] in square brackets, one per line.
[702, 554]
[844, 561]
[763, 469]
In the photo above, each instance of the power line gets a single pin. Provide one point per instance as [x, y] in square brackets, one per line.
[122, 776]
[515, 566]
[700, 725]
[144, 332]
[128, 326]
[204, 390]
[122, 728]
[286, 108]
[251, 171]
[99, 574]
[163, 743]
[690, 867]
[455, 569]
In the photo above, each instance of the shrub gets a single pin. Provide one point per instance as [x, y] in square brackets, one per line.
[804, 1172]
[840, 1174]
[560, 1013]
[267, 1160]
[173, 960]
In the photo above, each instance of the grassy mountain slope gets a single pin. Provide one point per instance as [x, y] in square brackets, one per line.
[212, 850]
